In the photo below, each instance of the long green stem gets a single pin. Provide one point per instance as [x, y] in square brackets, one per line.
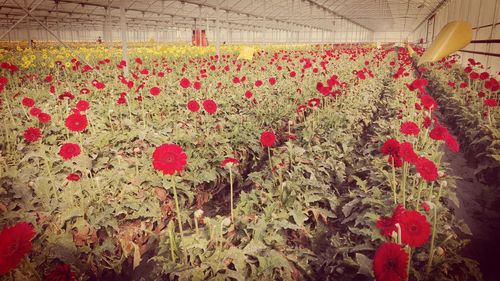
[433, 237]
[270, 162]
[409, 265]
[394, 182]
[178, 211]
[403, 183]
[419, 193]
[231, 191]
[172, 244]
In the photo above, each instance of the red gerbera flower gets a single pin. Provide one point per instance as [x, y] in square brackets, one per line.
[169, 159]
[409, 128]
[82, 105]
[248, 95]
[267, 138]
[490, 102]
[419, 83]
[427, 122]
[193, 106]
[390, 263]
[313, 103]
[73, 177]
[272, 81]
[415, 229]
[185, 83]
[406, 152]
[301, 108]
[361, 75]
[62, 272]
[15, 243]
[438, 133]
[452, 143]
[258, 83]
[395, 160]
[387, 225]
[28, 102]
[197, 85]
[484, 75]
[32, 134]
[154, 91]
[428, 102]
[76, 122]
[44, 117]
[35, 111]
[69, 150]
[210, 106]
[427, 169]
[390, 147]
[229, 160]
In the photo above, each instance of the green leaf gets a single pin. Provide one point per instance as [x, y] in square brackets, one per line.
[365, 265]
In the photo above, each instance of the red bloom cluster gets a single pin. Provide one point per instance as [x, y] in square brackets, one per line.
[169, 159]
[428, 102]
[61, 272]
[73, 177]
[76, 122]
[28, 102]
[409, 128]
[69, 150]
[185, 83]
[267, 138]
[229, 160]
[427, 169]
[390, 263]
[155, 91]
[15, 244]
[390, 147]
[387, 225]
[440, 132]
[209, 106]
[193, 106]
[415, 229]
[32, 134]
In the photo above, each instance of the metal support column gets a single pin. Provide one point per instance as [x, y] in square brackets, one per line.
[217, 31]
[28, 25]
[123, 27]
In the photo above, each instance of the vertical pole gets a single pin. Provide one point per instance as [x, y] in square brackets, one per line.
[206, 30]
[491, 35]
[57, 21]
[217, 31]
[123, 27]
[46, 31]
[28, 24]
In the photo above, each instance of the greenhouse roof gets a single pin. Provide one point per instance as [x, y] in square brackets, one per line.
[328, 15]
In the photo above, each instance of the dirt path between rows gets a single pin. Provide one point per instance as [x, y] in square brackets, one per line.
[480, 210]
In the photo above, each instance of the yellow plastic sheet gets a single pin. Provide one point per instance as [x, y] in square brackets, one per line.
[453, 37]
[246, 53]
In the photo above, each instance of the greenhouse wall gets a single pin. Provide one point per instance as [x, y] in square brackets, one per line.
[228, 35]
[484, 16]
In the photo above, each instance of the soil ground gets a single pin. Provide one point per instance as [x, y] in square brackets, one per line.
[480, 210]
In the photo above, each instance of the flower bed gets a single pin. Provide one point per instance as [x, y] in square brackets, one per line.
[469, 102]
[196, 168]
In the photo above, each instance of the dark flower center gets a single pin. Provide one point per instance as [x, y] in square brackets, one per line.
[391, 264]
[169, 158]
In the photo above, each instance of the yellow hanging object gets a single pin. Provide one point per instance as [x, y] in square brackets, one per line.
[410, 50]
[453, 37]
[246, 53]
